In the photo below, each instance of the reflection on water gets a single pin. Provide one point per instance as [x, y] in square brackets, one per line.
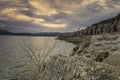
[13, 58]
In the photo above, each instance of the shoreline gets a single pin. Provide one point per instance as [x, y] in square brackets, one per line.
[100, 49]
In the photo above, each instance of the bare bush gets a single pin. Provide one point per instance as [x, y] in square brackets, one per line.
[38, 56]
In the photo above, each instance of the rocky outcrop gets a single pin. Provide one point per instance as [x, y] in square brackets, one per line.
[104, 51]
[100, 54]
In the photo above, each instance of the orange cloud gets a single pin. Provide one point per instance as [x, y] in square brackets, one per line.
[52, 25]
[12, 13]
[43, 7]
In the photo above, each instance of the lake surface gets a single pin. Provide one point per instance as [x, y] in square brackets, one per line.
[13, 52]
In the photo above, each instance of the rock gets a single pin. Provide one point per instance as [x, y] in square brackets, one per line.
[14, 79]
[101, 56]
[83, 74]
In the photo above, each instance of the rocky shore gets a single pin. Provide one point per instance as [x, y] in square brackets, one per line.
[99, 47]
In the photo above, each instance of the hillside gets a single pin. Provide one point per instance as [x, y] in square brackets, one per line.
[98, 49]
[4, 32]
[106, 26]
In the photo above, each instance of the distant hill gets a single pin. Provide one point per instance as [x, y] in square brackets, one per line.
[5, 32]
[39, 34]
[48, 34]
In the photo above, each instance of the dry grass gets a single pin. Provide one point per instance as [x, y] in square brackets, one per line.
[38, 56]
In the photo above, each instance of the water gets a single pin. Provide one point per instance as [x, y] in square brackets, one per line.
[14, 58]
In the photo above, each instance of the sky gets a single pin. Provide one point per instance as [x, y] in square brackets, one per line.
[54, 15]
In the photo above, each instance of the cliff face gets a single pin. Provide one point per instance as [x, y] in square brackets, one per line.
[107, 26]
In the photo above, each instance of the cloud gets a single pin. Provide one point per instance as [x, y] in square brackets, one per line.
[55, 15]
[13, 14]
[52, 25]
[43, 7]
